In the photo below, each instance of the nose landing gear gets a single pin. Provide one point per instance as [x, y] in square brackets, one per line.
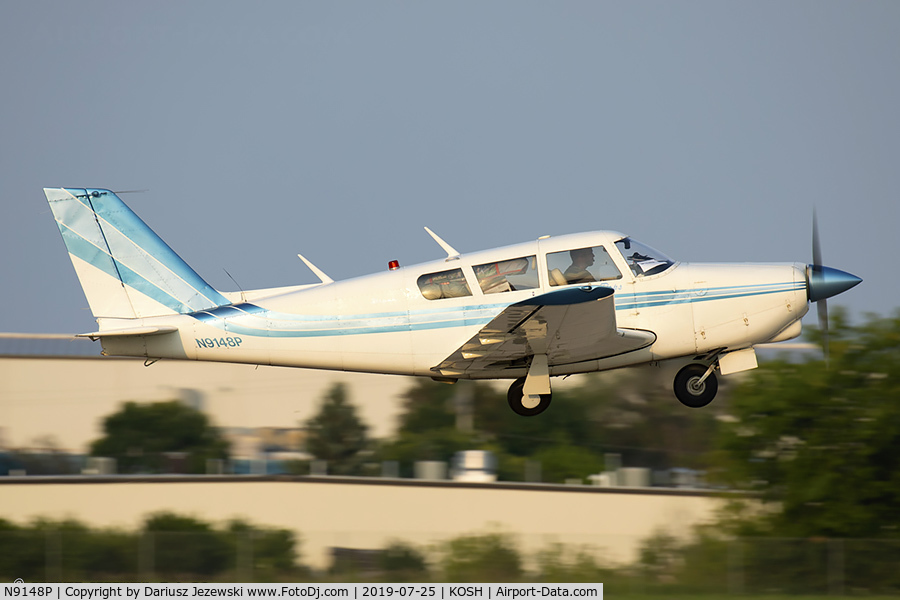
[696, 385]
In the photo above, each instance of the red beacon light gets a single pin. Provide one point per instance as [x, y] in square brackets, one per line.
[394, 265]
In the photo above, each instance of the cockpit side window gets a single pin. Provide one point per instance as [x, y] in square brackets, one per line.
[508, 275]
[581, 265]
[643, 259]
[445, 284]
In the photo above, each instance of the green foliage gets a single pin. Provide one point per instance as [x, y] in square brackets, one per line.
[428, 406]
[490, 557]
[564, 461]
[107, 552]
[566, 419]
[660, 557]
[821, 444]
[336, 434]
[22, 553]
[563, 439]
[402, 562]
[428, 432]
[64, 550]
[272, 550]
[183, 544]
[147, 438]
[436, 444]
[168, 546]
[710, 563]
[633, 412]
[427, 428]
[558, 563]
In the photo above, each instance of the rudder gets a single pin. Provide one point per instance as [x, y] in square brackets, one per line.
[125, 269]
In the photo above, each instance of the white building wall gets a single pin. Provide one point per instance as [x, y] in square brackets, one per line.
[66, 399]
[371, 513]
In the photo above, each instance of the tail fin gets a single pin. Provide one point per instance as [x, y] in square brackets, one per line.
[125, 269]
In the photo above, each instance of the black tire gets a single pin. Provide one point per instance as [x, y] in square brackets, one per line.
[689, 393]
[514, 397]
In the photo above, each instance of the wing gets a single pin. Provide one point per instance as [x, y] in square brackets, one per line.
[568, 326]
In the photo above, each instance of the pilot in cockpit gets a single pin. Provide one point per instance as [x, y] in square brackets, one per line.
[582, 258]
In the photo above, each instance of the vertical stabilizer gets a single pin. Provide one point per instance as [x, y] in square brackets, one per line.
[125, 269]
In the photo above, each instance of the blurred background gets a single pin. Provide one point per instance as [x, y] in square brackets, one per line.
[785, 484]
[708, 130]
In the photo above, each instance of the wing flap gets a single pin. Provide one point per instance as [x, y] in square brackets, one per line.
[568, 326]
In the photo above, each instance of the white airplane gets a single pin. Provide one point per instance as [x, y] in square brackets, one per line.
[528, 312]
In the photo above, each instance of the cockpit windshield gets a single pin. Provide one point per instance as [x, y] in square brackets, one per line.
[643, 259]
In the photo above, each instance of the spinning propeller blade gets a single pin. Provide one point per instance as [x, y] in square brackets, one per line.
[821, 305]
[824, 282]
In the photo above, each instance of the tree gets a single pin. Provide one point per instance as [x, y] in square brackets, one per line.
[427, 406]
[427, 428]
[820, 444]
[563, 461]
[336, 434]
[154, 438]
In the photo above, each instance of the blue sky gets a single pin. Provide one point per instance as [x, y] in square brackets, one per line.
[709, 130]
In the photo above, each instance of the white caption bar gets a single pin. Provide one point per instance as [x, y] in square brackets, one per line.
[317, 591]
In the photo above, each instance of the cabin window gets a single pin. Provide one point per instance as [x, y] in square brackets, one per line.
[508, 275]
[446, 284]
[643, 260]
[581, 265]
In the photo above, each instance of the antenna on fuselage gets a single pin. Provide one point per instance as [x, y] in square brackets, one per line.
[452, 253]
[235, 283]
[319, 273]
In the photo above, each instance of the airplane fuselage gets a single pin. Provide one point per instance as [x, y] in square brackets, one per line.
[392, 322]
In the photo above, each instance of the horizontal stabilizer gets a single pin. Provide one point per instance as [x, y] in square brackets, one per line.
[130, 331]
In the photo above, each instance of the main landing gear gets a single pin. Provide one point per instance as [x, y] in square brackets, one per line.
[530, 395]
[527, 406]
[696, 385]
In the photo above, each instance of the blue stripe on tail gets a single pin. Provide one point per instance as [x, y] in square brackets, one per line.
[101, 230]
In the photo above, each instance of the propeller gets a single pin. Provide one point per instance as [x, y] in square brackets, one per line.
[816, 268]
[823, 283]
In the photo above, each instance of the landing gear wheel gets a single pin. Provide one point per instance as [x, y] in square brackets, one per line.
[523, 405]
[690, 391]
